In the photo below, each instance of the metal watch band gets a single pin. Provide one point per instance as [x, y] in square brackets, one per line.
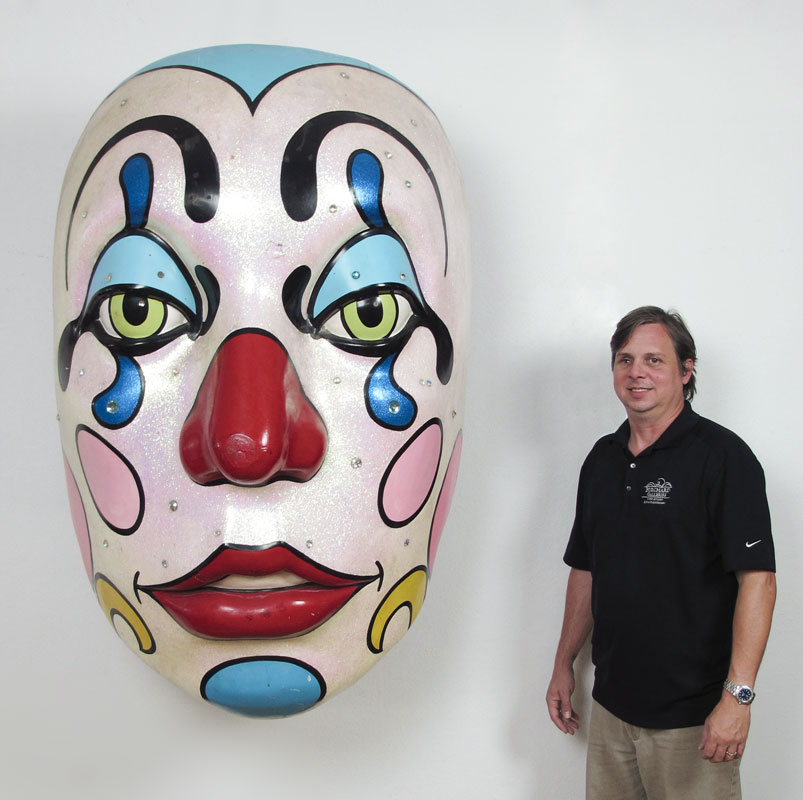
[743, 693]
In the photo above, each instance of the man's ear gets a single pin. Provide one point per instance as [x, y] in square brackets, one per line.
[688, 368]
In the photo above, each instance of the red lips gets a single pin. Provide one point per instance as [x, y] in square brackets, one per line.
[218, 613]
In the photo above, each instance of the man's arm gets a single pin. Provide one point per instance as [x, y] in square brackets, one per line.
[725, 730]
[577, 624]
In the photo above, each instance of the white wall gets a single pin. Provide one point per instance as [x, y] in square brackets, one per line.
[615, 154]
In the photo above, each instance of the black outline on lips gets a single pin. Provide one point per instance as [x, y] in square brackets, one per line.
[278, 557]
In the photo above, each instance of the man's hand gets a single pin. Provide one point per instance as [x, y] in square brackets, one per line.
[725, 731]
[576, 627]
[559, 700]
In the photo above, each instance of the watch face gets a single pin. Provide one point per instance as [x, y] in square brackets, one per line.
[744, 695]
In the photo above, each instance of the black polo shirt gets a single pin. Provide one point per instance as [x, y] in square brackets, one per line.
[662, 533]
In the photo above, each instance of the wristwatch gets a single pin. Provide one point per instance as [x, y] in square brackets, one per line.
[744, 694]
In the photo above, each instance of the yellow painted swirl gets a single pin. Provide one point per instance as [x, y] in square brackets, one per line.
[407, 593]
[112, 602]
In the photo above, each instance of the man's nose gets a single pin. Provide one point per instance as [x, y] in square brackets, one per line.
[251, 422]
[636, 368]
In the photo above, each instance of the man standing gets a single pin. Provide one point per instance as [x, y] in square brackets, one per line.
[672, 561]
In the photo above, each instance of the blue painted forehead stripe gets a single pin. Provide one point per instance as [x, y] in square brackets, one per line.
[366, 182]
[136, 178]
[253, 67]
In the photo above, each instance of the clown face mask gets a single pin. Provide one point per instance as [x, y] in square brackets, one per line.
[261, 290]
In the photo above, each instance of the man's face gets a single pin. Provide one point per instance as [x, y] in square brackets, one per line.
[647, 377]
[261, 308]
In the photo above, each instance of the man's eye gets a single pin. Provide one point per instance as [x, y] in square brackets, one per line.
[374, 318]
[137, 315]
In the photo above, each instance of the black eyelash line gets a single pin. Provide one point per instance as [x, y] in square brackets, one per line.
[292, 295]
[87, 319]
[293, 292]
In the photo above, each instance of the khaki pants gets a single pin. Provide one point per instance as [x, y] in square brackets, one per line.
[626, 762]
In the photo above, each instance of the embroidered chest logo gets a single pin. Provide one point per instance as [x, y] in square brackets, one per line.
[656, 492]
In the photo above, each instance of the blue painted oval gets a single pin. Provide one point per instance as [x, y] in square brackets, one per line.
[263, 687]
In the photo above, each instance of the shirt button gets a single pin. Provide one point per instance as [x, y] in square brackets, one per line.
[628, 488]
[633, 466]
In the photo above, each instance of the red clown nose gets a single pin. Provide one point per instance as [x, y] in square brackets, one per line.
[251, 422]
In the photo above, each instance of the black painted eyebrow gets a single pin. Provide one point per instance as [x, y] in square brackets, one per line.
[298, 182]
[201, 173]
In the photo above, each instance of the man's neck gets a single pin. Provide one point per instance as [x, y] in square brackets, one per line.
[645, 430]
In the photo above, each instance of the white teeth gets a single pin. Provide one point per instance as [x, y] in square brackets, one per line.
[278, 580]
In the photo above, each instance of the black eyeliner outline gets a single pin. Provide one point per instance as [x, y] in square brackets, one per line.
[347, 245]
[356, 300]
[194, 318]
[292, 298]
[87, 320]
[150, 296]
[211, 286]
[336, 308]
[377, 349]
[135, 346]
[293, 290]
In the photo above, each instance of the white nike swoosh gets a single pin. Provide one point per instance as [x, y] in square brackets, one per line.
[750, 544]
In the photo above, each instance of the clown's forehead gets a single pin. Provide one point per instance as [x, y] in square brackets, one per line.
[223, 114]
[254, 68]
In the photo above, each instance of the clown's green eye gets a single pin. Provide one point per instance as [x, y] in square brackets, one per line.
[138, 318]
[371, 318]
[135, 315]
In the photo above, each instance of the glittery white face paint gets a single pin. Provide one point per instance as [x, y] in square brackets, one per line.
[261, 289]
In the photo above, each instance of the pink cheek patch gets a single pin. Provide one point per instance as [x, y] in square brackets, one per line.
[113, 483]
[79, 519]
[408, 481]
[445, 499]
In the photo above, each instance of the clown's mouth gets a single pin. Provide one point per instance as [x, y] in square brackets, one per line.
[270, 593]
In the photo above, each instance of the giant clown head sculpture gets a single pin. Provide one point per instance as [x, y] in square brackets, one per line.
[261, 290]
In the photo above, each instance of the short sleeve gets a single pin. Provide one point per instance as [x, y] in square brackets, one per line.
[739, 510]
[577, 554]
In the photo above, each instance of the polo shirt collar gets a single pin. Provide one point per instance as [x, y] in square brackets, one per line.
[680, 426]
